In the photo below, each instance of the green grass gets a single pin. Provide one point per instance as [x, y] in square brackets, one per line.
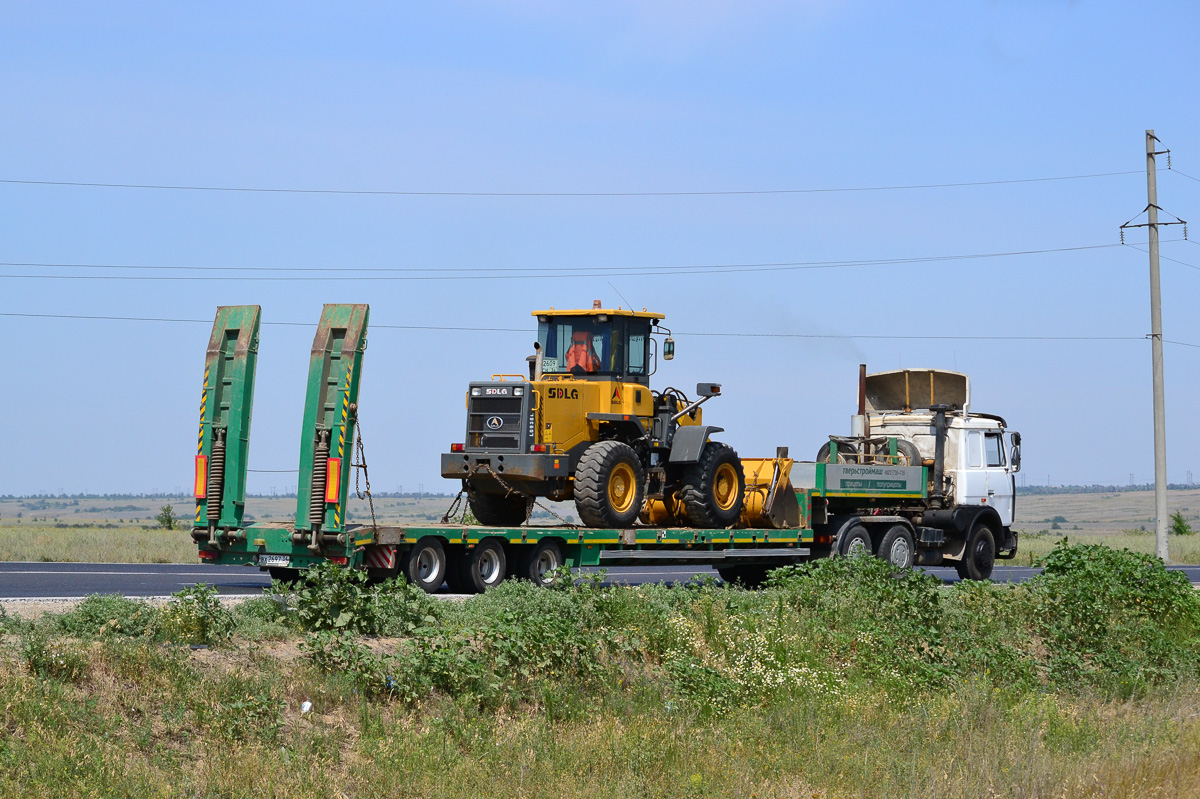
[94, 543]
[840, 679]
[1033, 546]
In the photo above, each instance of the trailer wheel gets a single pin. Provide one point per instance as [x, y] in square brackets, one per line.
[979, 555]
[714, 488]
[425, 564]
[609, 485]
[484, 566]
[497, 510]
[855, 541]
[847, 453]
[541, 561]
[897, 547]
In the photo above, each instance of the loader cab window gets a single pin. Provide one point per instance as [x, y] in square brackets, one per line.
[583, 345]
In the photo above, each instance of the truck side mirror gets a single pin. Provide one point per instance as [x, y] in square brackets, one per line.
[668, 348]
[708, 389]
[1015, 457]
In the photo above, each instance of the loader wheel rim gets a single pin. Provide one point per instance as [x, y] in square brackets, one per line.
[725, 486]
[621, 487]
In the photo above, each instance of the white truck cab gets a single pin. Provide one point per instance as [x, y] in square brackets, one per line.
[981, 456]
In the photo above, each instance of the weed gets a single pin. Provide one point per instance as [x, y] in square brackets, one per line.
[104, 615]
[53, 659]
[196, 616]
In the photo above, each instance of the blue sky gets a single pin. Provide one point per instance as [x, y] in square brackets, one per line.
[592, 97]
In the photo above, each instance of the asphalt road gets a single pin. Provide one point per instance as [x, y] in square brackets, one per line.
[71, 580]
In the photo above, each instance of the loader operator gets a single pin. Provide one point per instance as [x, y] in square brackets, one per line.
[582, 357]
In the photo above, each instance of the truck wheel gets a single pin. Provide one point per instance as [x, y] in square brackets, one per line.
[540, 562]
[425, 564]
[713, 488]
[980, 554]
[855, 541]
[897, 547]
[846, 453]
[609, 485]
[497, 510]
[483, 567]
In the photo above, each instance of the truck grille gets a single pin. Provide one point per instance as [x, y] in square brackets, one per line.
[507, 417]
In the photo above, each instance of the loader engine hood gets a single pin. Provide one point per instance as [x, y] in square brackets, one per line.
[908, 390]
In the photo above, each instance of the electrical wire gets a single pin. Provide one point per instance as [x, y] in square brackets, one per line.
[710, 334]
[1184, 174]
[541, 273]
[407, 193]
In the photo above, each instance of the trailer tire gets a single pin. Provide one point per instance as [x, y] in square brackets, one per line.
[484, 566]
[540, 562]
[847, 453]
[425, 564]
[610, 484]
[714, 488]
[906, 452]
[855, 541]
[497, 510]
[897, 547]
[979, 556]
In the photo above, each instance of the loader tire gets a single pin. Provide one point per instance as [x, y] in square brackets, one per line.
[714, 488]
[610, 484]
[497, 510]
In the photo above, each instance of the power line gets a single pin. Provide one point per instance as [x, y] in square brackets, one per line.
[1165, 258]
[711, 334]
[1184, 174]
[459, 273]
[407, 193]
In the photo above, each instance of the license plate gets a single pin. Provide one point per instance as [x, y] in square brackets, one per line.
[274, 560]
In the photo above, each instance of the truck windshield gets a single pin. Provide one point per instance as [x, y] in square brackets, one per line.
[579, 345]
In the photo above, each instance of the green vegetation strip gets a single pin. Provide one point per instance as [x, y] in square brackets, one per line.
[839, 679]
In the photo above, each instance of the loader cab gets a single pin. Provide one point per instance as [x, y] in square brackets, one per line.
[599, 344]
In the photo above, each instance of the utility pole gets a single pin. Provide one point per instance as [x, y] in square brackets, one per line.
[1156, 342]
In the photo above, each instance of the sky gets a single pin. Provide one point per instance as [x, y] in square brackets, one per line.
[525, 106]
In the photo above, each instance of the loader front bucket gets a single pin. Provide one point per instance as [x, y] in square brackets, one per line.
[770, 500]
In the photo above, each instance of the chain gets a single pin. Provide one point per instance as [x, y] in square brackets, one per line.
[530, 500]
[362, 464]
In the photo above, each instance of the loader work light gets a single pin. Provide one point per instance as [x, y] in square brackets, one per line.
[201, 489]
[333, 479]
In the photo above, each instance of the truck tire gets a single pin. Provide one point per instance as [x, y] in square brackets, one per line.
[609, 485]
[846, 453]
[483, 566]
[540, 561]
[855, 541]
[980, 553]
[713, 488]
[425, 564]
[897, 547]
[497, 510]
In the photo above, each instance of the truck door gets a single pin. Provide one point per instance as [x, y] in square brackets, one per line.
[972, 481]
[1000, 483]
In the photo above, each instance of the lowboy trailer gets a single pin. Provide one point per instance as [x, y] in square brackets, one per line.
[904, 494]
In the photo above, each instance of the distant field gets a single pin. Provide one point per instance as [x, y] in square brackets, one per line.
[124, 529]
